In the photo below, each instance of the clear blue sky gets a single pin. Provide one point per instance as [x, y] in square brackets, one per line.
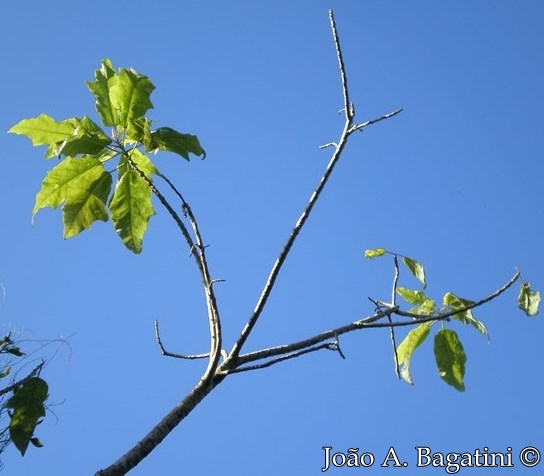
[454, 181]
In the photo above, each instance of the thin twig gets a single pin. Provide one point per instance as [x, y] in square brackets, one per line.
[348, 106]
[172, 354]
[358, 127]
[394, 303]
[292, 355]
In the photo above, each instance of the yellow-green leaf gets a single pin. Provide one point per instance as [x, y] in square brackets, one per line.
[416, 269]
[129, 94]
[405, 350]
[374, 253]
[44, 130]
[131, 209]
[101, 91]
[528, 300]
[450, 358]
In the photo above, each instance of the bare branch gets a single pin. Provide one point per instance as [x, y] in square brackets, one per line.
[339, 147]
[394, 303]
[349, 109]
[292, 355]
[358, 127]
[174, 355]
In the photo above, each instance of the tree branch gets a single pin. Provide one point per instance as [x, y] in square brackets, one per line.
[370, 322]
[339, 147]
[172, 354]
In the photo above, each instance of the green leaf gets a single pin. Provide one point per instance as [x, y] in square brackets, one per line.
[101, 92]
[374, 253]
[455, 303]
[411, 296]
[87, 138]
[69, 137]
[171, 140]
[129, 94]
[139, 131]
[426, 308]
[416, 269]
[83, 186]
[410, 343]
[450, 358]
[44, 130]
[528, 300]
[27, 403]
[131, 206]
[86, 204]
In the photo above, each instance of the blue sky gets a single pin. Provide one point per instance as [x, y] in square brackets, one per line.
[454, 181]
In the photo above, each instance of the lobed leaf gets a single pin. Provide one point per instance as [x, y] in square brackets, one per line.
[528, 300]
[375, 252]
[129, 94]
[72, 136]
[87, 138]
[27, 403]
[44, 130]
[86, 205]
[416, 269]
[139, 131]
[100, 90]
[168, 139]
[83, 185]
[411, 342]
[450, 358]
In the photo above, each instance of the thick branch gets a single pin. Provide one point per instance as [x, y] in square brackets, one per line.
[145, 446]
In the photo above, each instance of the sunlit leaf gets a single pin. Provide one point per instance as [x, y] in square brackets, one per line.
[168, 139]
[374, 253]
[83, 186]
[528, 300]
[87, 138]
[129, 94]
[455, 303]
[27, 403]
[101, 91]
[411, 296]
[44, 130]
[86, 204]
[139, 130]
[416, 269]
[131, 209]
[450, 358]
[405, 350]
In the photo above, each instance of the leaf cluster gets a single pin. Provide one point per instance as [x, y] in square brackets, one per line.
[83, 181]
[449, 353]
[25, 406]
